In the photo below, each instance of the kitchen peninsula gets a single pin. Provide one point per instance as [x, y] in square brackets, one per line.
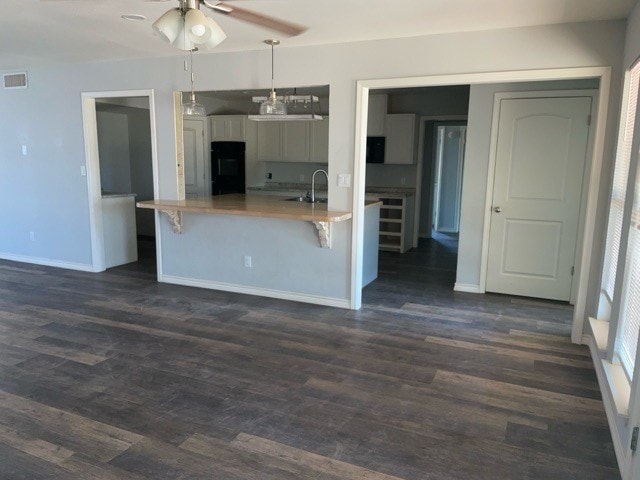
[255, 206]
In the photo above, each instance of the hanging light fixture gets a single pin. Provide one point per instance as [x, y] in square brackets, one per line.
[192, 108]
[187, 26]
[272, 106]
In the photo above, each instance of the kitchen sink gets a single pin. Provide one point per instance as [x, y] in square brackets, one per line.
[305, 199]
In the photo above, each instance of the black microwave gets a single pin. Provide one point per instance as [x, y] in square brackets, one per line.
[375, 149]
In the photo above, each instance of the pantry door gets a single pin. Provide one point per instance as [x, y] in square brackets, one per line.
[539, 163]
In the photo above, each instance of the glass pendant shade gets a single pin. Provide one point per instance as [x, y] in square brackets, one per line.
[273, 106]
[193, 108]
[169, 25]
[217, 35]
[197, 27]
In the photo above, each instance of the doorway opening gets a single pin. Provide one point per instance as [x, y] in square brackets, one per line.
[122, 170]
[470, 251]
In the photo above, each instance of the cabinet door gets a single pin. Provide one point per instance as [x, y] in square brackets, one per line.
[269, 141]
[295, 141]
[217, 128]
[319, 141]
[376, 115]
[194, 148]
[234, 128]
[227, 128]
[400, 139]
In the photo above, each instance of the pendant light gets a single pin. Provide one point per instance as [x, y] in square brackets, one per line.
[272, 106]
[192, 108]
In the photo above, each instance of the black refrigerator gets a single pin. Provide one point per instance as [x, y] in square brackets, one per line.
[227, 167]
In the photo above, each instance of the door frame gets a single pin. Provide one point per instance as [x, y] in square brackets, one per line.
[92, 163]
[423, 119]
[601, 73]
[498, 97]
[436, 191]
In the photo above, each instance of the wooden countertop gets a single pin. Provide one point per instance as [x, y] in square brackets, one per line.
[252, 206]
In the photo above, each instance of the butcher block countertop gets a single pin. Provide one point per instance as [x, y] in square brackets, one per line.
[252, 206]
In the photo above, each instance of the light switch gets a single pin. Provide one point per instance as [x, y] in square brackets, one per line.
[83, 170]
[24, 150]
[344, 179]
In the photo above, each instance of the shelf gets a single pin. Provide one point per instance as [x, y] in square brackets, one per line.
[385, 233]
[390, 207]
[395, 248]
[390, 220]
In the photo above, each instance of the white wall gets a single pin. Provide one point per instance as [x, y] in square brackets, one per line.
[54, 195]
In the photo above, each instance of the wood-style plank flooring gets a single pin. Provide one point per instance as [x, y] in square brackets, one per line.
[114, 376]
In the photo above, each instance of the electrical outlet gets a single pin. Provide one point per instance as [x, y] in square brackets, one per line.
[247, 261]
[32, 236]
[403, 180]
[83, 170]
[344, 179]
[302, 177]
[269, 176]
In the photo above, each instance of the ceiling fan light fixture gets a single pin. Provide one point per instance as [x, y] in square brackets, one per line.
[169, 25]
[198, 29]
[217, 35]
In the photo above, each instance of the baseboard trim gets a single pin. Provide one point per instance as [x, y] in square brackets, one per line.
[84, 267]
[609, 407]
[467, 288]
[261, 292]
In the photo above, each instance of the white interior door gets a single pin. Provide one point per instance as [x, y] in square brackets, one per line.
[194, 148]
[448, 182]
[540, 156]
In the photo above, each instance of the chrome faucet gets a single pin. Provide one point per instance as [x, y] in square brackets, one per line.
[313, 183]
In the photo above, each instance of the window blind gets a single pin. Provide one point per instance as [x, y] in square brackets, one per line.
[630, 306]
[620, 179]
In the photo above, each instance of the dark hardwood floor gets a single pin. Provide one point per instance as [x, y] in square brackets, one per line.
[114, 376]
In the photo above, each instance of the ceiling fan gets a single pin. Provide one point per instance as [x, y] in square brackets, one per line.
[190, 7]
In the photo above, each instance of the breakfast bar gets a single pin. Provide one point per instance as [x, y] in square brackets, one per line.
[254, 206]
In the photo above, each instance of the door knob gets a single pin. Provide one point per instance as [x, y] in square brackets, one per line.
[497, 209]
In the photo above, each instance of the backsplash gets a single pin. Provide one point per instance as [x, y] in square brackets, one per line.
[292, 172]
[381, 175]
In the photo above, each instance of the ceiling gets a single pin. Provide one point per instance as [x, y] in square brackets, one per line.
[47, 32]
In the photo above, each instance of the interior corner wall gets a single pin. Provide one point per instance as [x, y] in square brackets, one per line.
[53, 193]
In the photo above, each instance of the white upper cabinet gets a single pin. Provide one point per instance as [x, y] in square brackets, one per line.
[269, 141]
[319, 141]
[401, 137]
[376, 115]
[295, 141]
[230, 128]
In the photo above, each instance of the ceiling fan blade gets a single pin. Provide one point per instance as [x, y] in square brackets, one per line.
[272, 23]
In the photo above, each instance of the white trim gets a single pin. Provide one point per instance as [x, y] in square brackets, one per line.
[92, 162]
[261, 292]
[609, 408]
[83, 267]
[498, 97]
[359, 171]
[467, 287]
[417, 204]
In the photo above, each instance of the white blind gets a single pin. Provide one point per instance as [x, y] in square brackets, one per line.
[630, 307]
[620, 178]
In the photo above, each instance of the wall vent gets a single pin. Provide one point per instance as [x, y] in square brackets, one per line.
[15, 80]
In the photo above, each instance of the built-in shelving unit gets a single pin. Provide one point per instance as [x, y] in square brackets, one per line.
[394, 232]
